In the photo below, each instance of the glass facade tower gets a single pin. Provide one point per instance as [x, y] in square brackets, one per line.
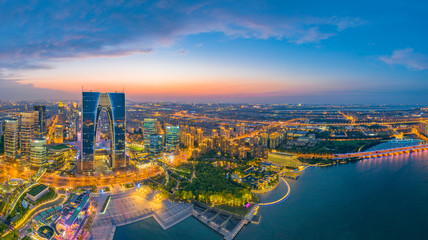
[11, 140]
[92, 105]
[39, 121]
[172, 138]
[38, 153]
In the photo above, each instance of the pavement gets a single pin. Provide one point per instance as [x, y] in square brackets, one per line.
[133, 206]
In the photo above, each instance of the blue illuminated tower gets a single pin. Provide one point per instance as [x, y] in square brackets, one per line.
[92, 105]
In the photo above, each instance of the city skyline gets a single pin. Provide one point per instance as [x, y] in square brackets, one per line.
[254, 52]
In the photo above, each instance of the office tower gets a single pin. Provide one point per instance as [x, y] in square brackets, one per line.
[199, 135]
[75, 120]
[92, 105]
[156, 142]
[59, 134]
[39, 121]
[26, 133]
[61, 114]
[172, 141]
[38, 153]
[149, 128]
[11, 134]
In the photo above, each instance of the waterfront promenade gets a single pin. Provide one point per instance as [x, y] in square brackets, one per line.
[281, 199]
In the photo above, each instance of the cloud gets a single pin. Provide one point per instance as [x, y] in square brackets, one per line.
[15, 90]
[407, 58]
[38, 30]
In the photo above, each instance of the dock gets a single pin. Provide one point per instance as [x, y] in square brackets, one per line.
[226, 224]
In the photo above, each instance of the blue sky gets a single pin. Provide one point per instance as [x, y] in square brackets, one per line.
[223, 51]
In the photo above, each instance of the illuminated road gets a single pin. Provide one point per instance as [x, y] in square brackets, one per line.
[82, 181]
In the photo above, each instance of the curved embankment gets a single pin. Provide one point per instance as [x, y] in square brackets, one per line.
[281, 199]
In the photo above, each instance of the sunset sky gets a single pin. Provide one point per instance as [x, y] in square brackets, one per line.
[365, 52]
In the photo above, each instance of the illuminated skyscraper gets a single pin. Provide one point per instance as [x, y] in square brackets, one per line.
[149, 128]
[26, 133]
[92, 105]
[172, 138]
[200, 135]
[11, 133]
[39, 121]
[59, 134]
[61, 113]
[38, 153]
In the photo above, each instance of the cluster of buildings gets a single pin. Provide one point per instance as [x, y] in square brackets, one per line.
[157, 139]
[24, 137]
[26, 134]
[256, 146]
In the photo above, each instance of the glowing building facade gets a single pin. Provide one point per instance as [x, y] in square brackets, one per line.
[26, 134]
[172, 138]
[38, 153]
[11, 142]
[92, 105]
[149, 128]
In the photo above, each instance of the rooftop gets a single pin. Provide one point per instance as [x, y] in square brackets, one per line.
[37, 189]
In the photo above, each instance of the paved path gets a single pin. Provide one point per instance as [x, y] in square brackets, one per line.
[281, 199]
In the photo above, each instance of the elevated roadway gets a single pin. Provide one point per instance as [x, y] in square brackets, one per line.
[382, 153]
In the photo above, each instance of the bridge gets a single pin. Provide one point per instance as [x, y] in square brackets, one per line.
[383, 153]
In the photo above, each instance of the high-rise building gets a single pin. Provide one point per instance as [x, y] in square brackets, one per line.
[11, 134]
[39, 121]
[172, 138]
[423, 128]
[26, 133]
[59, 134]
[149, 128]
[199, 135]
[92, 105]
[264, 139]
[241, 129]
[156, 142]
[61, 114]
[189, 140]
[38, 153]
[193, 131]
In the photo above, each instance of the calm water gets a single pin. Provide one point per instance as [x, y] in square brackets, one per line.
[384, 198]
